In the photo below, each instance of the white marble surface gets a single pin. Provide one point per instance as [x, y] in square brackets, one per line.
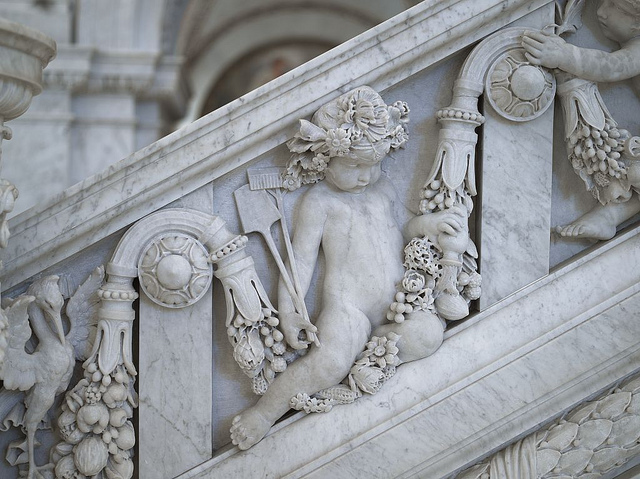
[515, 210]
[237, 133]
[176, 384]
[516, 365]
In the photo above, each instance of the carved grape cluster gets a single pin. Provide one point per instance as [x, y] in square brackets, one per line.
[597, 151]
[259, 348]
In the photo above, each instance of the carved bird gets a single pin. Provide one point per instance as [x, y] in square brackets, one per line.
[46, 372]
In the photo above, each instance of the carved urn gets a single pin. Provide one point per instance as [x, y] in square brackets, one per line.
[24, 53]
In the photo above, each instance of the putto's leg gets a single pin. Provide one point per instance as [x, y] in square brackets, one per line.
[343, 333]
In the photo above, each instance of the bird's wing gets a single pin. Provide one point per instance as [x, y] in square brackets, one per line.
[82, 311]
[19, 370]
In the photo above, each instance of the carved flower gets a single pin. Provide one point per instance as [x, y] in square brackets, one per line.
[338, 142]
[403, 107]
[399, 138]
[319, 162]
[413, 281]
[382, 351]
[365, 110]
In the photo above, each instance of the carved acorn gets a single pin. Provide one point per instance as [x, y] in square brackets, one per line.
[119, 467]
[91, 455]
[93, 418]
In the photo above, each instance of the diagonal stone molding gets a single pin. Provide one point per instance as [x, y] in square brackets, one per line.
[594, 440]
[237, 133]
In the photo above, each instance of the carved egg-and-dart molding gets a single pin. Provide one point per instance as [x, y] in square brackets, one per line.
[174, 271]
[518, 90]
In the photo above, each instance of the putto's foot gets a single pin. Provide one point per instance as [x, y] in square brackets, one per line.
[592, 229]
[249, 428]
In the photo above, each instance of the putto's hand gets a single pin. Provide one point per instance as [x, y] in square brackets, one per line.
[546, 49]
[292, 324]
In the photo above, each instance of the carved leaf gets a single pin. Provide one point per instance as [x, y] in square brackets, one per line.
[625, 431]
[593, 433]
[454, 165]
[614, 405]
[605, 459]
[82, 311]
[583, 413]
[575, 461]
[571, 19]
[632, 386]
[546, 460]
[561, 436]
[634, 405]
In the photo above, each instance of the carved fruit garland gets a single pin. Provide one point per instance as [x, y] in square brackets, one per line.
[96, 426]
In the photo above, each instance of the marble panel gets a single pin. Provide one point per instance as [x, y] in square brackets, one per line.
[175, 387]
[514, 206]
[514, 211]
[176, 377]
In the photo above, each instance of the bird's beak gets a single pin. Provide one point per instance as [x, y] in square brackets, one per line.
[57, 322]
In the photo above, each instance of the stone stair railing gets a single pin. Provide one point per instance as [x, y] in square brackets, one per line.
[455, 409]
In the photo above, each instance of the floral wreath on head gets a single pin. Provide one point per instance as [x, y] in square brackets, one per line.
[357, 120]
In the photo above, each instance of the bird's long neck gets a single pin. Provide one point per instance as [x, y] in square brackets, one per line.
[39, 324]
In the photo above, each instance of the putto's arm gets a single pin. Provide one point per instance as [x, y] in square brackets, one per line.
[552, 51]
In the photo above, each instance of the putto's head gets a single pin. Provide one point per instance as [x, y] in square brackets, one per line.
[357, 126]
[619, 19]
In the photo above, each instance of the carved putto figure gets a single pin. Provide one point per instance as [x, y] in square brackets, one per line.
[351, 213]
[45, 371]
[606, 157]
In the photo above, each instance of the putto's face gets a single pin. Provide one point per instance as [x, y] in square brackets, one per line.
[617, 22]
[351, 174]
